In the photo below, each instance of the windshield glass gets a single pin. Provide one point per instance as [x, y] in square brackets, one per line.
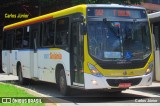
[116, 40]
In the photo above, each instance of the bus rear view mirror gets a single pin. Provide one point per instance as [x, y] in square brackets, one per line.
[82, 18]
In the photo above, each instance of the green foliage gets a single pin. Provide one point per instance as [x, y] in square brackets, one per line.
[128, 2]
[47, 2]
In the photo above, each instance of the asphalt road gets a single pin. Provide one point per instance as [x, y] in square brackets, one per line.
[132, 96]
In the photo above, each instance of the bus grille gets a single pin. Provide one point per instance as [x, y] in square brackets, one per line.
[116, 82]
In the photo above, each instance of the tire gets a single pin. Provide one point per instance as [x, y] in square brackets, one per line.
[21, 80]
[64, 89]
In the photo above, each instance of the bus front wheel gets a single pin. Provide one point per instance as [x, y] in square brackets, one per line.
[64, 89]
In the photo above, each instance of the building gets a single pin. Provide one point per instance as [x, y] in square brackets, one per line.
[152, 5]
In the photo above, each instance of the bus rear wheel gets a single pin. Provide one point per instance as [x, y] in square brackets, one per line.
[21, 80]
[64, 89]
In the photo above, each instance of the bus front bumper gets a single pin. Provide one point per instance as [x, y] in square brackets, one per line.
[93, 82]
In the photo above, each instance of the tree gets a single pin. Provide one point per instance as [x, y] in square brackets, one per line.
[126, 2]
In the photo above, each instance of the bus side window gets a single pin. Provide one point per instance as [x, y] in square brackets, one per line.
[19, 36]
[48, 33]
[25, 41]
[5, 41]
[8, 40]
[35, 36]
[62, 29]
[34, 39]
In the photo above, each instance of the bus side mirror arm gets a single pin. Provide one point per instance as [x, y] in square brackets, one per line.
[83, 28]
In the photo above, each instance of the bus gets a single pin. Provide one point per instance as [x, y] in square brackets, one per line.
[155, 26]
[88, 46]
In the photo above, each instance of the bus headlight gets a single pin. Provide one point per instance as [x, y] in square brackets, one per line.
[94, 71]
[150, 68]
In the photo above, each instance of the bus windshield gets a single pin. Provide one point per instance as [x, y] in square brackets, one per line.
[117, 40]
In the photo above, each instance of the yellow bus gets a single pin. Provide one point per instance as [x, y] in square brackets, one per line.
[94, 46]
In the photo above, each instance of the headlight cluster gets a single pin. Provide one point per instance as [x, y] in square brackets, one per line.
[94, 71]
[150, 68]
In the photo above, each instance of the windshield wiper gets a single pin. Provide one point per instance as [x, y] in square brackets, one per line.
[134, 21]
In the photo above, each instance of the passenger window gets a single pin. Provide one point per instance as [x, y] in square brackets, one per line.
[5, 41]
[35, 36]
[19, 36]
[48, 33]
[8, 39]
[62, 27]
[26, 37]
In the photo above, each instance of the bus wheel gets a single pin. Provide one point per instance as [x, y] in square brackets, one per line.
[20, 76]
[64, 89]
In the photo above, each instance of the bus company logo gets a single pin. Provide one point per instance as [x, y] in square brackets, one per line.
[124, 62]
[6, 100]
[53, 56]
[125, 72]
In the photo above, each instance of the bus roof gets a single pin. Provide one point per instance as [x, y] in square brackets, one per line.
[115, 6]
[79, 8]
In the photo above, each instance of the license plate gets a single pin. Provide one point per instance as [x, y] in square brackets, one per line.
[124, 85]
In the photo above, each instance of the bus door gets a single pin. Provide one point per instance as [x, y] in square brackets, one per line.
[12, 54]
[33, 56]
[76, 55]
[156, 33]
[7, 45]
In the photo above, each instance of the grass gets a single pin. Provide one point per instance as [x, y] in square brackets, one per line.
[8, 90]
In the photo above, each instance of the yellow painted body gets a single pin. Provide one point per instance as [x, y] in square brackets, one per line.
[116, 72]
[76, 9]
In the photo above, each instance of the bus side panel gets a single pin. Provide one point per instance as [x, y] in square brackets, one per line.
[47, 62]
[66, 63]
[45, 67]
[24, 58]
[5, 61]
[13, 59]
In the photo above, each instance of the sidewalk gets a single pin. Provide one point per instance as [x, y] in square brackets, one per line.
[4, 77]
[149, 91]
